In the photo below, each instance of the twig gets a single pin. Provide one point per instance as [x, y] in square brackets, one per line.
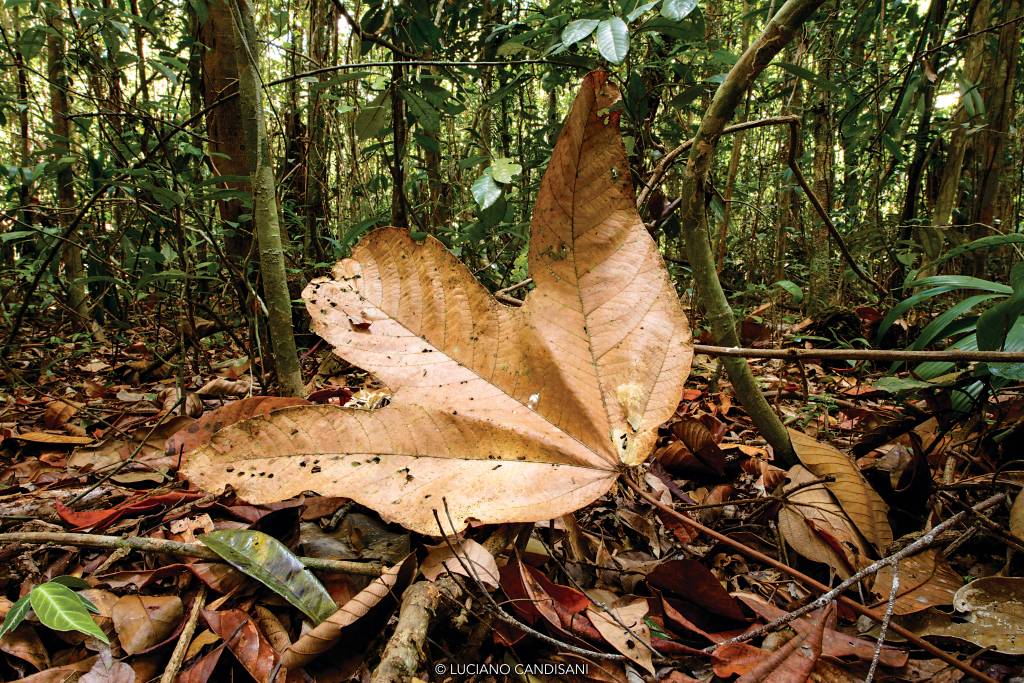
[185, 638]
[836, 593]
[665, 163]
[159, 545]
[889, 609]
[951, 355]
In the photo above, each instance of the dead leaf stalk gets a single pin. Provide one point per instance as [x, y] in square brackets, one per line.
[176, 548]
[836, 593]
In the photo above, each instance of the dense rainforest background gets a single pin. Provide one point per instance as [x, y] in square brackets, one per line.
[842, 180]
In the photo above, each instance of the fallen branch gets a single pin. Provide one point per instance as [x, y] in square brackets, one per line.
[912, 637]
[951, 355]
[159, 545]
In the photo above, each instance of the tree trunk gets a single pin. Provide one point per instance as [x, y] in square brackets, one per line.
[322, 20]
[228, 152]
[949, 184]
[400, 133]
[268, 227]
[695, 185]
[74, 271]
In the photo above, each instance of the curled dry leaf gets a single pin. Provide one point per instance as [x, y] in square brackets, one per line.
[502, 414]
[384, 589]
[142, 621]
[815, 526]
[468, 558]
[862, 504]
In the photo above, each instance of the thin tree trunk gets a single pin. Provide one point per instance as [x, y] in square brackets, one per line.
[695, 184]
[952, 169]
[268, 227]
[322, 20]
[74, 270]
[400, 133]
[821, 284]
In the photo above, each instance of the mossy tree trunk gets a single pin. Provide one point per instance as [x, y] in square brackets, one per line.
[265, 214]
[696, 185]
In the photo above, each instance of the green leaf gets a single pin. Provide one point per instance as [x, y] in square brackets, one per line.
[896, 385]
[372, 118]
[613, 39]
[937, 328]
[987, 242]
[793, 289]
[61, 609]
[677, 10]
[963, 282]
[995, 323]
[485, 191]
[640, 11]
[15, 615]
[807, 75]
[422, 110]
[502, 170]
[267, 560]
[575, 31]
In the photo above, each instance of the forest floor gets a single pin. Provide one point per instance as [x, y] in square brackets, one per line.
[625, 589]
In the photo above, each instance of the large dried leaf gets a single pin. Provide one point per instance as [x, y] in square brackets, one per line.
[861, 503]
[504, 414]
[249, 646]
[624, 628]
[815, 526]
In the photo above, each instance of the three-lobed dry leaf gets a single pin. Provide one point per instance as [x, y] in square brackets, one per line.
[499, 414]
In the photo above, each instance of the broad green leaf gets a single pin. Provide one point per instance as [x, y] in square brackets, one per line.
[373, 118]
[575, 31]
[424, 113]
[905, 305]
[640, 10]
[995, 323]
[267, 560]
[15, 615]
[502, 170]
[963, 282]
[61, 609]
[613, 39]
[793, 289]
[937, 328]
[990, 241]
[677, 10]
[896, 385]
[485, 191]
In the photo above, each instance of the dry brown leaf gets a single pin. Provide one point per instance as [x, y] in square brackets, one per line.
[227, 387]
[199, 432]
[473, 560]
[926, 580]
[994, 611]
[862, 504]
[53, 439]
[318, 640]
[1017, 516]
[142, 621]
[106, 669]
[58, 413]
[503, 414]
[816, 527]
[634, 641]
